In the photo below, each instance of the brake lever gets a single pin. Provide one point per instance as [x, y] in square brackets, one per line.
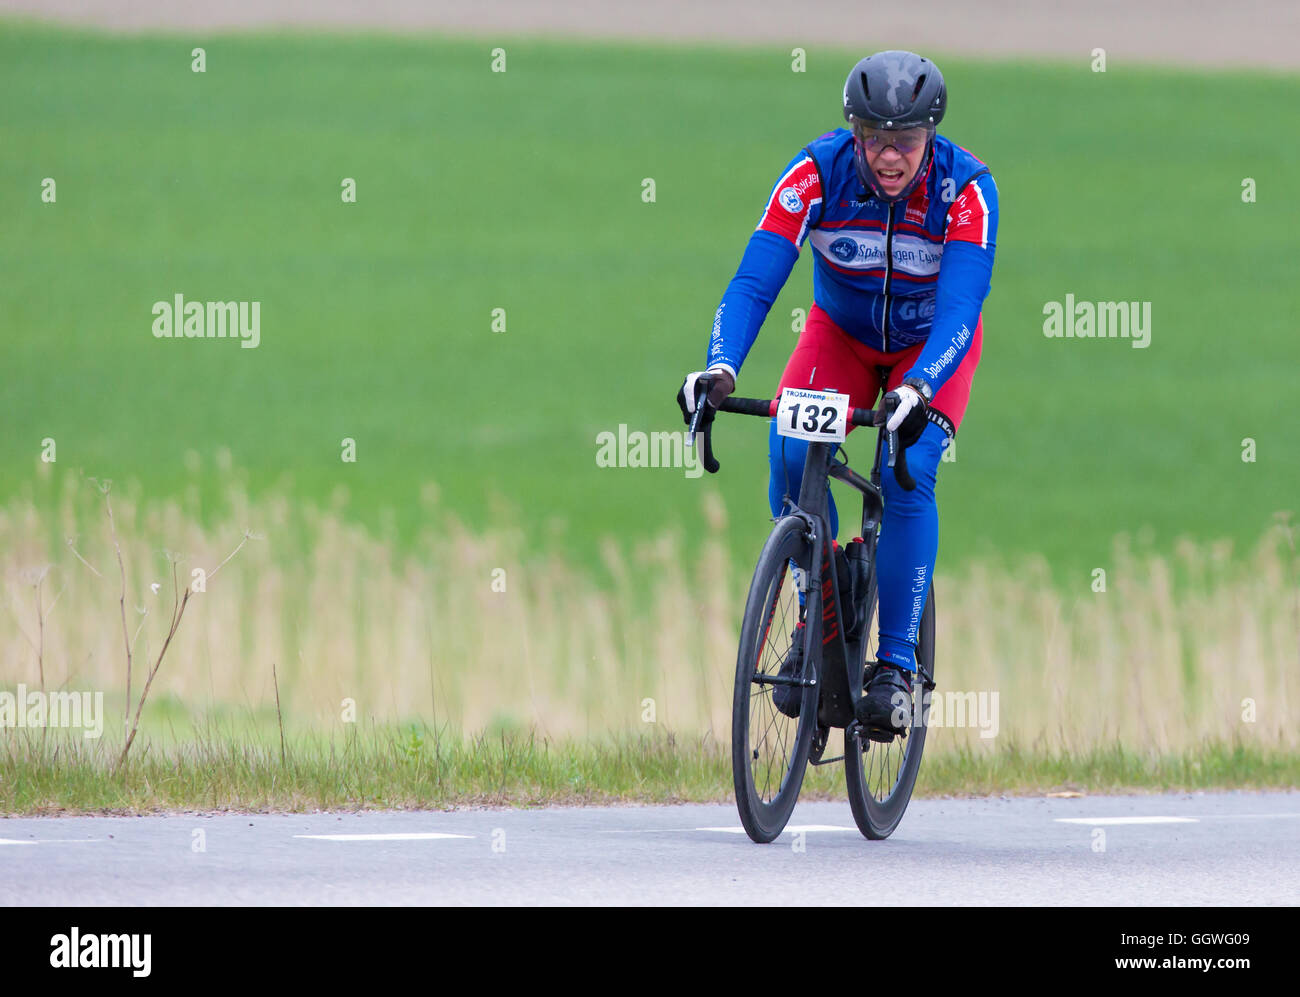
[898, 462]
[710, 462]
[707, 383]
[703, 386]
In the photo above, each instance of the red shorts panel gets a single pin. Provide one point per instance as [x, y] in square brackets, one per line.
[827, 358]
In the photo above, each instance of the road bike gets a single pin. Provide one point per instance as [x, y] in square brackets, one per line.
[771, 751]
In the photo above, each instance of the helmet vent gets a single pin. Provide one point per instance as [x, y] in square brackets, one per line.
[865, 89]
[920, 82]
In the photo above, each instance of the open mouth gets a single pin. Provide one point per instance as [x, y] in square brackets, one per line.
[889, 176]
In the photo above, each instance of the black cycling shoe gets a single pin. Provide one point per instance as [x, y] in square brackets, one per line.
[789, 698]
[887, 704]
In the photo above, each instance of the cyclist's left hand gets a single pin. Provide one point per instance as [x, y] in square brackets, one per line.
[907, 414]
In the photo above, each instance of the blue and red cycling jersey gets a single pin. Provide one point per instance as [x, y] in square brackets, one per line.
[889, 275]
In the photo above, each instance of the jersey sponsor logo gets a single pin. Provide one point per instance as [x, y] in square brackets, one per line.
[968, 221]
[916, 256]
[715, 339]
[797, 193]
[913, 256]
[914, 309]
[947, 356]
[790, 200]
[918, 206]
[843, 249]
[805, 183]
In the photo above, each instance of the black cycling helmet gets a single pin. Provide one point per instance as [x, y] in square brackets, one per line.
[892, 91]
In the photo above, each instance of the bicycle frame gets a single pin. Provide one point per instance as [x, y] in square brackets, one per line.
[834, 668]
[838, 696]
[840, 691]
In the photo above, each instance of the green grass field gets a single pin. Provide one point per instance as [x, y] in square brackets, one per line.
[386, 768]
[522, 190]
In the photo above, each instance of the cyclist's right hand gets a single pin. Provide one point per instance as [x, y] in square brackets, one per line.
[723, 385]
[907, 414]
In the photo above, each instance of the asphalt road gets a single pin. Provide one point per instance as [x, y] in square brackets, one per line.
[1186, 849]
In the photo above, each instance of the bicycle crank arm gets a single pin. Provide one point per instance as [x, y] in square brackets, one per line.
[826, 761]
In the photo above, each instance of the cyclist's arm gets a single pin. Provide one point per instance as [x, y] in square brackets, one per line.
[765, 267]
[964, 275]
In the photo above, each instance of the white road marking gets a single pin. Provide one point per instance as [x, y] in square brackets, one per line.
[796, 828]
[1127, 820]
[48, 841]
[1170, 820]
[420, 836]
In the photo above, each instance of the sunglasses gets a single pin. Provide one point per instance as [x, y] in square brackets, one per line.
[905, 140]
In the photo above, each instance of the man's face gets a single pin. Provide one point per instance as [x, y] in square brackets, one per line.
[893, 155]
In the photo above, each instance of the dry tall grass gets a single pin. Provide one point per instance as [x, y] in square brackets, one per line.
[458, 629]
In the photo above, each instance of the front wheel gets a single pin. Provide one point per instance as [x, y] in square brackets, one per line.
[769, 750]
[880, 775]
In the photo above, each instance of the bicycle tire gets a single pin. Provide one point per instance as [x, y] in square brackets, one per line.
[870, 765]
[765, 798]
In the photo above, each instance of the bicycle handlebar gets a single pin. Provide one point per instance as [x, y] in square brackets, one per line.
[766, 408]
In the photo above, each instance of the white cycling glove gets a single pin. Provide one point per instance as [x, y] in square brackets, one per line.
[908, 399]
[718, 392]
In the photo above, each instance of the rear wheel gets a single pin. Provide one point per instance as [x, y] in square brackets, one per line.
[769, 750]
[881, 774]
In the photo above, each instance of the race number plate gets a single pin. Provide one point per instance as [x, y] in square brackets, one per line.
[820, 416]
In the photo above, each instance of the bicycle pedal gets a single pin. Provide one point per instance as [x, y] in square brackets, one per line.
[882, 736]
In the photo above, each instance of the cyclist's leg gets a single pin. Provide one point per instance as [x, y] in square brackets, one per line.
[825, 358]
[909, 542]
[786, 457]
[909, 536]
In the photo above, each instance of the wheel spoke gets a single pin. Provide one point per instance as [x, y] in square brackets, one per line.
[766, 743]
[772, 741]
[882, 774]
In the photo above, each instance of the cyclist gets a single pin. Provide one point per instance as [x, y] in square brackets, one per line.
[902, 223]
